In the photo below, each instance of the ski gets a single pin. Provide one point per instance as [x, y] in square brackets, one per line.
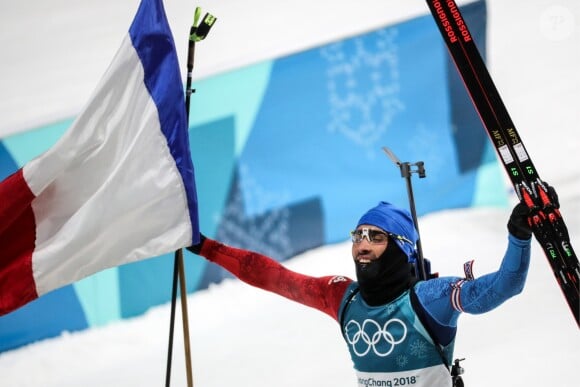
[546, 219]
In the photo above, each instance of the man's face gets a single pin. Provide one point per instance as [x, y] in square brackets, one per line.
[368, 243]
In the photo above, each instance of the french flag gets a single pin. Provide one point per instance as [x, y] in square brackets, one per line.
[118, 187]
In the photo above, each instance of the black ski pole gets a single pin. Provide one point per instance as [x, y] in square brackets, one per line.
[196, 34]
[171, 321]
[406, 172]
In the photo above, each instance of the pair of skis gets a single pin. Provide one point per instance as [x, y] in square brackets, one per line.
[546, 220]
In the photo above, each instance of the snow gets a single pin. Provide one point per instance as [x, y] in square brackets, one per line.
[242, 336]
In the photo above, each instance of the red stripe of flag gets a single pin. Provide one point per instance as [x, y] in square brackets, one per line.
[17, 237]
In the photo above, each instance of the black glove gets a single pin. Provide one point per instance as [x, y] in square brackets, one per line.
[518, 224]
[552, 195]
[197, 248]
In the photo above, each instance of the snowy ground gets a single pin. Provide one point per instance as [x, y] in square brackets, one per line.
[241, 336]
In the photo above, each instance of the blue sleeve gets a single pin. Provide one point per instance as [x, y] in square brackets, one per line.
[491, 290]
[479, 295]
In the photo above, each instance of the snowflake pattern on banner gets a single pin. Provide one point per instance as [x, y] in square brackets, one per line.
[266, 233]
[352, 107]
[256, 198]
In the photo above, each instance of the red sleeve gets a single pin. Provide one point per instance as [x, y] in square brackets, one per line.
[322, 293]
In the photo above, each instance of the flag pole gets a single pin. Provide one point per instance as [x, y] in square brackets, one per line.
[196, 34]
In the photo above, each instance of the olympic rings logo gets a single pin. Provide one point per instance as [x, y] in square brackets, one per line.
[355, 333]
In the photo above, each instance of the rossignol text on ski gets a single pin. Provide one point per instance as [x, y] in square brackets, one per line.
[546, 219]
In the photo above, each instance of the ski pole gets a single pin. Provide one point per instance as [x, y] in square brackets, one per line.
[196, 34]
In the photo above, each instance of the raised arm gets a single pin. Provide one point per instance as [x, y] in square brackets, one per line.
[322, 293]
[444, 299]
[489, 291]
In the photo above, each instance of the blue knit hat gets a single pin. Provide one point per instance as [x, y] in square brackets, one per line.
[395, 221]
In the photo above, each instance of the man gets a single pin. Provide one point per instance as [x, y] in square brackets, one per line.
[399, 331]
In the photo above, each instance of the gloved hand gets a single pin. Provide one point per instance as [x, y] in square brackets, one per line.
[197, 248]
[518, 224]
[552, 195]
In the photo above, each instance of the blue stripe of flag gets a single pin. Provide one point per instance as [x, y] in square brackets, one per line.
[153, 41]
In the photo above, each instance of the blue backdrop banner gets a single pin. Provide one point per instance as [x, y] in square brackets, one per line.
[288, 156]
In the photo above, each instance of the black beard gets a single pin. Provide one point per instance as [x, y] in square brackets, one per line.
[385, 278]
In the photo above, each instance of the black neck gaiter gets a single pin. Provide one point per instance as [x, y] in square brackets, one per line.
[386, 278]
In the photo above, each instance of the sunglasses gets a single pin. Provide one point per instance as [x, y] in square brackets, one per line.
[375, 237]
